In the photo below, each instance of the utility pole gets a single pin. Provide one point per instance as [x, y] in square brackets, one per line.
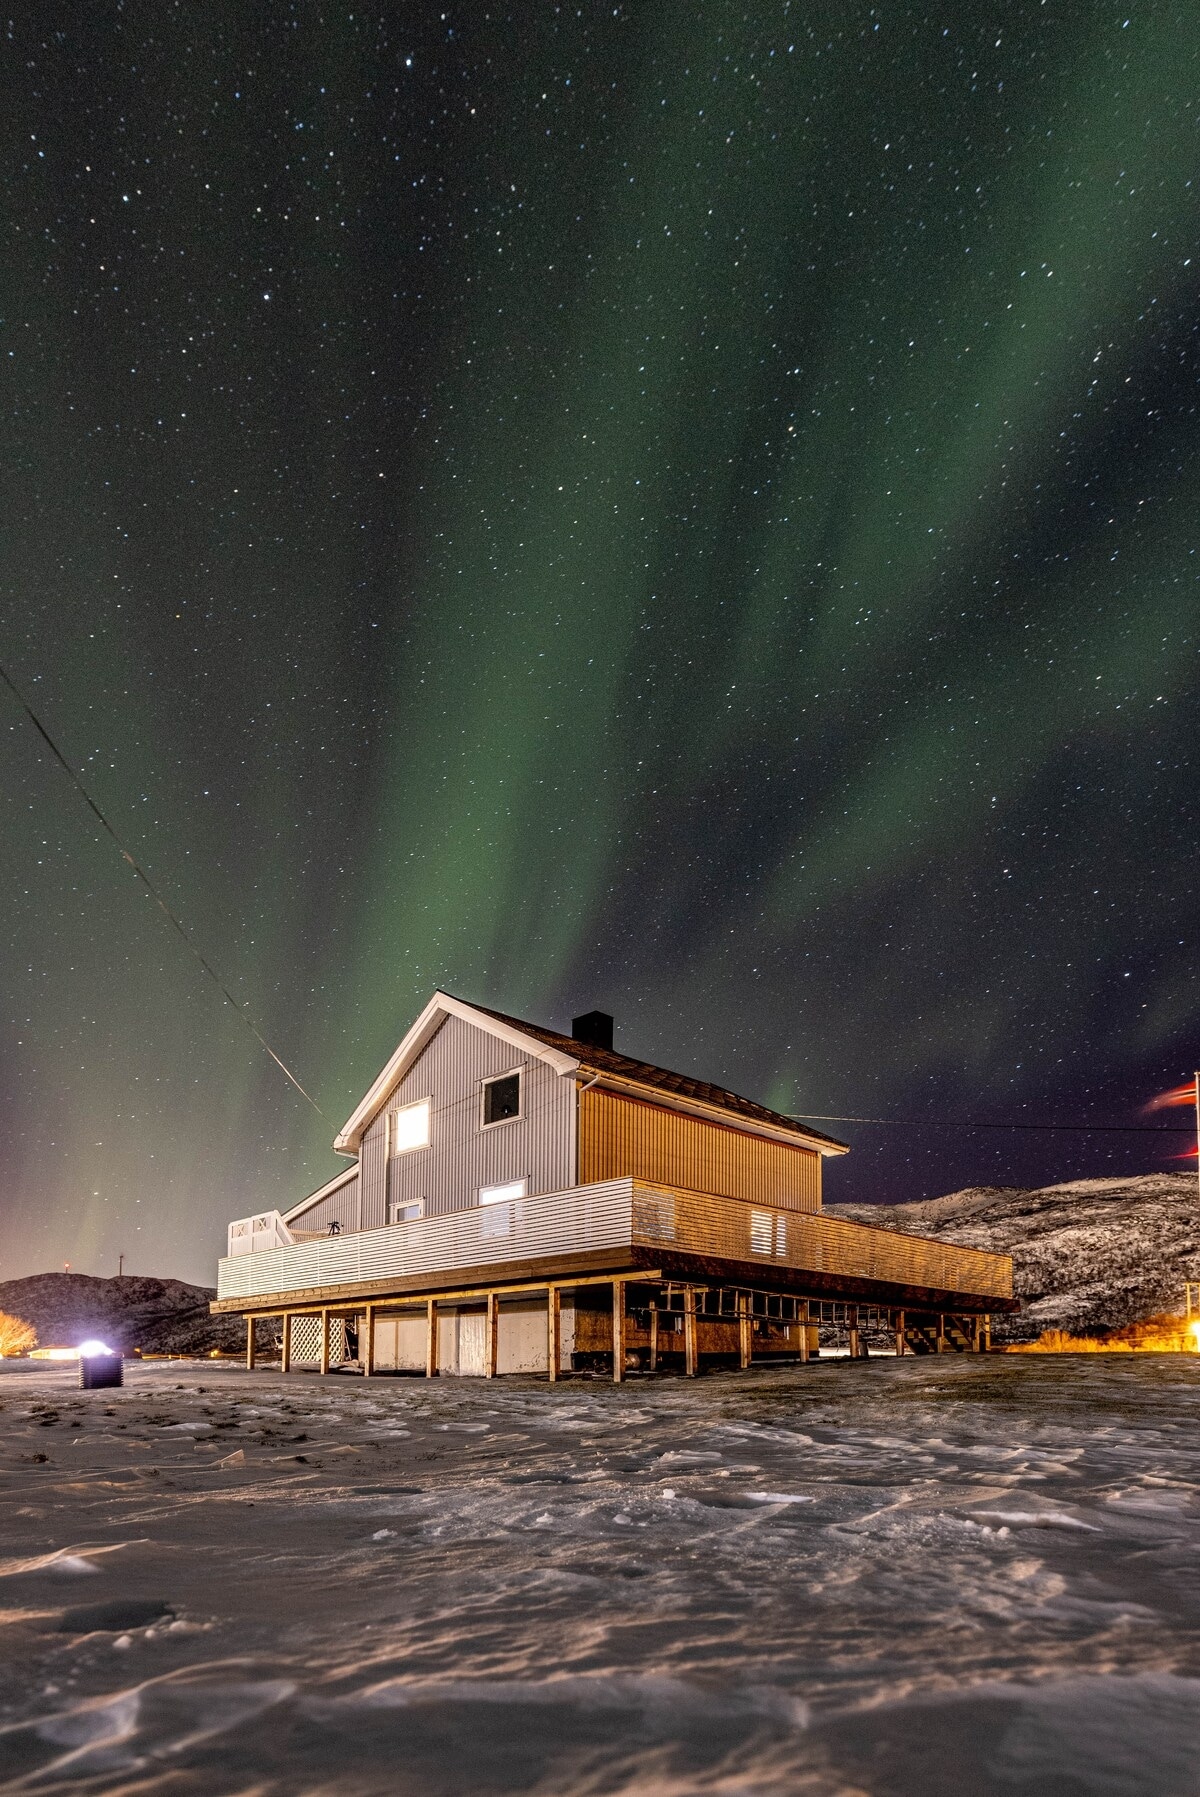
[120, 1266]
[1191, 1287]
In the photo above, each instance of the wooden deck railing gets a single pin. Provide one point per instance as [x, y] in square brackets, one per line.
[555, 1223]
[616, 1214]
[725, 1229]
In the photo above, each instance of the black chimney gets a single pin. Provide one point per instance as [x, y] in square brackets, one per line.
[595, 1028]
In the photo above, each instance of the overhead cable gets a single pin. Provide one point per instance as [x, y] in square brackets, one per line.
[151, 888]
[1114, 1129]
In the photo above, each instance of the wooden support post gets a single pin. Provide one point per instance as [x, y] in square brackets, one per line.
[855, 1340]
[324, 1341]
[249, 1344]
[286, 1351]
[804, 1325]
[901, 1345]
[987, 1334]
[431, 1338]
[690, 1356]
[745, 1331]
[368, 1348]
[618, 1330]
[553, 1332]
[977, 1335]
[491, 1343]
[653, 1338]
[941, 1334]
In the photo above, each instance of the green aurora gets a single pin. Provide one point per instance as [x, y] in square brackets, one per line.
[675, 508]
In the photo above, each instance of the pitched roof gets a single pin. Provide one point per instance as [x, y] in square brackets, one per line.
[681, 1085]
[565, 1055]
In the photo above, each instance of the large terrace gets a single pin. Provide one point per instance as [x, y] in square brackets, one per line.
[619, 1226]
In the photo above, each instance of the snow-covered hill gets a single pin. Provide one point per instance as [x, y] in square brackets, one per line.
[160, 1316]
[1089, 1255]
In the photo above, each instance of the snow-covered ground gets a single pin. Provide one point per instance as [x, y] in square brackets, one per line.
[917, 1576]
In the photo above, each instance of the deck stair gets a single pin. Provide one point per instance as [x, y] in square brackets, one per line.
[944, 1335]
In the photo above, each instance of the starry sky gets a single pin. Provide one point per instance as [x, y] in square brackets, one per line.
[683, 508]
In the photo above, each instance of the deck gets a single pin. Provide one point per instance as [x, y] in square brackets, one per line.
[620, 1226]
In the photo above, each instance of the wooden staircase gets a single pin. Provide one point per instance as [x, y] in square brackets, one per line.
[941, 1335]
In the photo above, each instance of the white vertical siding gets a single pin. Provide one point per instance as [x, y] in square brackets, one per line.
[461, 1155]
[340, 1207]
[372, 1163]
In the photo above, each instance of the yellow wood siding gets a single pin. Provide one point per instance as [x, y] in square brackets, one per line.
[626, 1138]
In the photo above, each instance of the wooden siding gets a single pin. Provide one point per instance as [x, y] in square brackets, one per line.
[461, 1155]
[626, 1138]
[705, 1227]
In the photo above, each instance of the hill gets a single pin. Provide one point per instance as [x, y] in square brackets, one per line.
[160, 1316]
[1089, 1255]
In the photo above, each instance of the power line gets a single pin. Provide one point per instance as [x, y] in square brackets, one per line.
[151, 888]
[1113, 1129]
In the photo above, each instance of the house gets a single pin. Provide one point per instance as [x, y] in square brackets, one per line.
[520, 1200]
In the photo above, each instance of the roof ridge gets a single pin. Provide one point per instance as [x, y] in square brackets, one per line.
[685, 1085]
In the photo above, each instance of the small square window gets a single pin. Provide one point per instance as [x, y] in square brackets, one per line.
[406, 1213]
[502, 1099]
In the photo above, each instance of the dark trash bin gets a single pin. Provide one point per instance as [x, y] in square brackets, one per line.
[99, 1367]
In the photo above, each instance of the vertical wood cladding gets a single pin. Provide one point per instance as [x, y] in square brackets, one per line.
[462, 1156]
[623, 1137]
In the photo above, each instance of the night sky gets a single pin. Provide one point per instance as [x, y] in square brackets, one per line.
[690, 509]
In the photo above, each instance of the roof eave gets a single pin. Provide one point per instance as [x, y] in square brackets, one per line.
[681, 1101]
[325, 1191]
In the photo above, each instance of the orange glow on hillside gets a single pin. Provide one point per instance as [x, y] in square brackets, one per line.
[1152, 1335]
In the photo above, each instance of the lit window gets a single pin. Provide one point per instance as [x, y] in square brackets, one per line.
[502, 1194]
[410, 1127]
[502, 1099]
[761, 1222]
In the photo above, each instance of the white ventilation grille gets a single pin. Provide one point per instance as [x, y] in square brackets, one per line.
[761, 1222]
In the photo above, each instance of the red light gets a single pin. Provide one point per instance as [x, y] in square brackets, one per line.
[1177, 1095]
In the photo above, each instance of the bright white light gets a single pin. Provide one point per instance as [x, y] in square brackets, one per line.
[502, 1194]
[410, 1127]
[89, 1349]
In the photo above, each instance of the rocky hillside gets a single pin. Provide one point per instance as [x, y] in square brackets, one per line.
[1090, 1255]
[160, 1316]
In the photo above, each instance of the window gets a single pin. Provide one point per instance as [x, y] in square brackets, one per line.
[781, 1236]
[406, 1213]
[501, 1099]
[502, 1194]
[409, 1127]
